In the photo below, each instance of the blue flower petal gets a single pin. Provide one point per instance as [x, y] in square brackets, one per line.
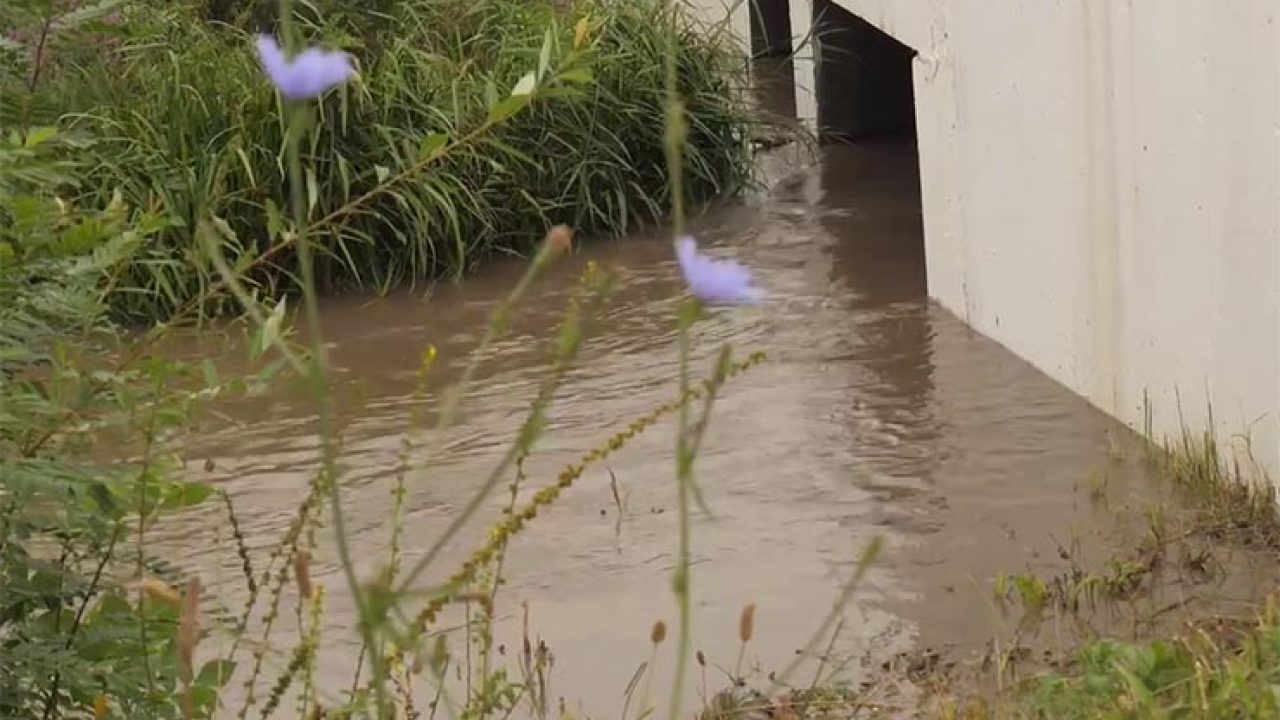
[309, 75]
[716, 281]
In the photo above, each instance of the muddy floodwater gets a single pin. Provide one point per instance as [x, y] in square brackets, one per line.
[875, 414]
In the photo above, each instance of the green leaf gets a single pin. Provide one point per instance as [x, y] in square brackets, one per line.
[39, 136]
[247, 165]
[215, 673]
[313, 191]
[544, 57]
[431, 145]
[577, 75]
[275, 219]
[269, 333]
[186, 495]
[101, 494]
[507, 108]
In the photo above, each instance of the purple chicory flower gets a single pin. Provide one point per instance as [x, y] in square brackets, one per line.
[306, 76]
[715, 281]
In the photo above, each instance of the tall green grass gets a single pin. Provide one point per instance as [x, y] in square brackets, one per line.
[184, 125]
[483, 131]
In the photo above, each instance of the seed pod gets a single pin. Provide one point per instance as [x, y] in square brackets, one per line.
[189, 628]
[747, 623]
[302, 573]
[659, 633]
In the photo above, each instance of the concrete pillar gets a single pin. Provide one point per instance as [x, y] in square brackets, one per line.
[864, 77]
[804, 64]
[770, 27]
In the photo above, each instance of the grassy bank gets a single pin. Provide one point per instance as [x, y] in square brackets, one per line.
[171, 97]
[1188, 660]
[1199, 663]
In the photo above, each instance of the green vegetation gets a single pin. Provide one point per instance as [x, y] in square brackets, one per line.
[73, 512]
[1206, 666]
[1200, 665]
[146, 168]
[1214, 669]
[183, 125]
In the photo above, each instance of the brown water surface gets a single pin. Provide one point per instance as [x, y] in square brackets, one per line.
[876, 414]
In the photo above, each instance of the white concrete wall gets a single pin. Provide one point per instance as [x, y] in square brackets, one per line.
[1101, 187]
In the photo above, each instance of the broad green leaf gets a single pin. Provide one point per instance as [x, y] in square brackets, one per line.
[507, 108]
[39, 136]
[215, 673]
[431, 145]
[186, 495]
[269, 333]
[101, 495]
[577, 75]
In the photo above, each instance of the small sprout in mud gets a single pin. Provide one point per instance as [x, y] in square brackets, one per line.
[1156, 523]
[658, 633]
[1098, 486]
[1031, 590]
[307, 75]
[738, 703]
[1001, 589]
[747, 623]
[715, 281]
[1198, 560]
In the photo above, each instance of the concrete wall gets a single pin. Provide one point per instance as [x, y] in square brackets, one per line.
[1101, 189]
